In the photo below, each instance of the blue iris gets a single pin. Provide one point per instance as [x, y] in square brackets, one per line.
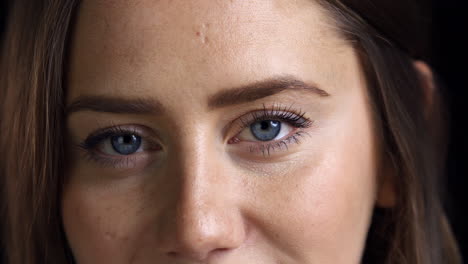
[265, 130]
[126, 144]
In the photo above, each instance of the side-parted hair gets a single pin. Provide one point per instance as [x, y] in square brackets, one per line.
[388, 35]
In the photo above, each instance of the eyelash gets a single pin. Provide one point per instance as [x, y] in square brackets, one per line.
[294, 118]
[96, 138]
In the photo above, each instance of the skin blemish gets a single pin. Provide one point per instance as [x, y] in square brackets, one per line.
[110, 235]
[201, 33]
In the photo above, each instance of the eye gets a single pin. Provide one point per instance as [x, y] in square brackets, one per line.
[265, 130]
[116, 142]
[120, 146]
[270, 129]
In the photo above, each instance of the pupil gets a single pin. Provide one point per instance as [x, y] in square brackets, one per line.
[127, 139]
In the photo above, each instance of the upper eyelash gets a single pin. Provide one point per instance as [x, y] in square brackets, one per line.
[281, 113]
[97, 137]
[93, 140]
[287, 114]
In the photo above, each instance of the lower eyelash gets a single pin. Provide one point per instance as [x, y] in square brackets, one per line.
[266, 148]
[123, 162]
[90, 152]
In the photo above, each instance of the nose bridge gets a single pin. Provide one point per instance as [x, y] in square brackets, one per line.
[204, 216]
[198, 167]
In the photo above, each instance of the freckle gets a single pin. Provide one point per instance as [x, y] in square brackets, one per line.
[110, 235]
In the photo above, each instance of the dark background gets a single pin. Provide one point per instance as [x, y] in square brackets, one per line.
[450, 27]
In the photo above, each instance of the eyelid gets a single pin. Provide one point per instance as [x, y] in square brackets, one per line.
[91, 151]
[93, 144]
[96, 137]
[289, 115]
[294, 118]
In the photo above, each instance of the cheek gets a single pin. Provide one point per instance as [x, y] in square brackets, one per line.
[322, 210]
[101, 227]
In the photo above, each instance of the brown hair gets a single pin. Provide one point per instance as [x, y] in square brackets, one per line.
[386, 34]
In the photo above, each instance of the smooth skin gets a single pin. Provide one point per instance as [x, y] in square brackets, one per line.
[202, 188]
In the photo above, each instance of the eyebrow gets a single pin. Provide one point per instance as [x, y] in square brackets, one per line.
[117, 105]
[262, 89]
[239, 95]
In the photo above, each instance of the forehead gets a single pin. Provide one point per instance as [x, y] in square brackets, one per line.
[198, 44]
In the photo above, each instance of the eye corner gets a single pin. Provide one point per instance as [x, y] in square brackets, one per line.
[233, 140]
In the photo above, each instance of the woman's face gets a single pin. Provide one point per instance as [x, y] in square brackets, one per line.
[216, 131]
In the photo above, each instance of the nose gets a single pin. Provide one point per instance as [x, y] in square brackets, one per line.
[203, 218]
